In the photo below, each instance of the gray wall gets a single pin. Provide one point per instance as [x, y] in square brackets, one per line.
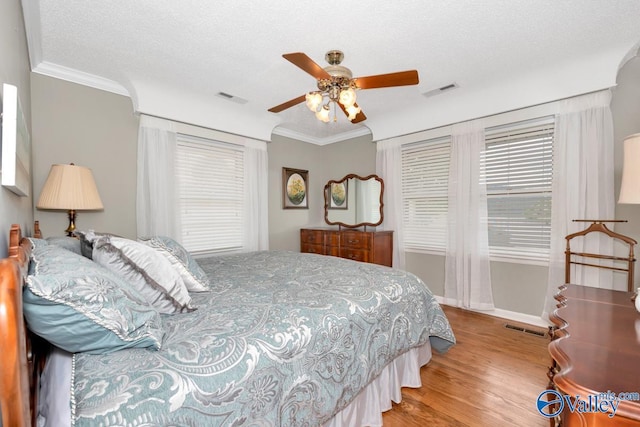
[88, 127]
[14, 69]
[324, 163]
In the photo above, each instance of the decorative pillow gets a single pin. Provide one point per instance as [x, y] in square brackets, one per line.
[80, 306]
[36, 243]
[193, 276]
[69, 243]
[86, 241]
[144, 269]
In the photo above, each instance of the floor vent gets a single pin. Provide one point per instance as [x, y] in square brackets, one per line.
[528, 331]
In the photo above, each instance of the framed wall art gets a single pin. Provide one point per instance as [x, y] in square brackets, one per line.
[16, 144]
[295, 188]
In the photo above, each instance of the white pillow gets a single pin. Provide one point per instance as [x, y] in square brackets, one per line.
[194, 277]
[146, 270]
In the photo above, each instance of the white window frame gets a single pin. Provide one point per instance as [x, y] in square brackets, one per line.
[210, 193]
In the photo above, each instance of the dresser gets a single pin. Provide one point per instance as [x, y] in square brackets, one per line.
[366, 246]
[596, 349]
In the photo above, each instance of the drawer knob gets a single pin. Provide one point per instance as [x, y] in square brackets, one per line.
[354, 241]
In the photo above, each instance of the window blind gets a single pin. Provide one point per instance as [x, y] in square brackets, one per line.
[209, 175]
[518, 172]
[517, 169]
[425, 176]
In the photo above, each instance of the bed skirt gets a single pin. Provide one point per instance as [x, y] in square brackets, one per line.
[367, 408]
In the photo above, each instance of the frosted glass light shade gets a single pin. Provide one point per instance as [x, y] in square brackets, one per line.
[70, 187]
[348, 97]
[313, 101]
[323, 114]
[630, 187]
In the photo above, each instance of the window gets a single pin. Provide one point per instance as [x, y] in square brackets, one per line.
[425, 174]
[518, 174]
[209, 177]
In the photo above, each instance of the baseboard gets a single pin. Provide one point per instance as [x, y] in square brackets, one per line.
[510, 315]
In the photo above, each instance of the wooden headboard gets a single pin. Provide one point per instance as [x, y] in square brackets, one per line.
[22, 356]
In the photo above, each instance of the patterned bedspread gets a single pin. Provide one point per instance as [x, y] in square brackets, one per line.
[284, 339]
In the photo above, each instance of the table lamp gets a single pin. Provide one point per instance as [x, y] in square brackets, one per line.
[72, 188]
[630, 187]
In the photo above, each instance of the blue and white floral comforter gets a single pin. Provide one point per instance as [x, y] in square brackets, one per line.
[283, 339]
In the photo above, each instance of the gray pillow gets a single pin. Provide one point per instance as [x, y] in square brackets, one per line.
[69, 243]
[79, 306]
[145, 270]
[86, 240]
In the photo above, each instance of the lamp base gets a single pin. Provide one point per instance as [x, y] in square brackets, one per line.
[72, 223]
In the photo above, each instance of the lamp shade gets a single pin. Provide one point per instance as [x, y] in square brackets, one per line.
[70, 187]
[630, 188]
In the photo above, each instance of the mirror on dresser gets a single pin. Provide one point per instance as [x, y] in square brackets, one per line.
[354, 201]
[353, 204]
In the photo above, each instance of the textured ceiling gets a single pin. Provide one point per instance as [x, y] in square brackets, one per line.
[174, 57]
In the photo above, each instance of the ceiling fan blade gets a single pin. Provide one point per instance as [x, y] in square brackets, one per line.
[287, 104]
[402, 78]
[307, 64]
[360, 117]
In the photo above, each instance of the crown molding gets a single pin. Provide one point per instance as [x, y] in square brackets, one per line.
[31, 16]
[79, 77]
[321, 141]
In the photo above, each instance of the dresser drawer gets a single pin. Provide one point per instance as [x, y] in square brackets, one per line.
[332, 238]
[311, 236]
[310, 248]
[354, 254]
[365, 246]
[355, 240]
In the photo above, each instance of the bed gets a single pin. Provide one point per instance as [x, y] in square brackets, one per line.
[267, 338]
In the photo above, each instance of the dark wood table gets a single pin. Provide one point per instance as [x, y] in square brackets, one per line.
[596, 349]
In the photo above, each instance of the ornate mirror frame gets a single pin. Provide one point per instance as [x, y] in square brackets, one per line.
[327, 201]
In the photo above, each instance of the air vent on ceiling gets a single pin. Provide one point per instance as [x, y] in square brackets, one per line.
[232, 98]
[440, 90]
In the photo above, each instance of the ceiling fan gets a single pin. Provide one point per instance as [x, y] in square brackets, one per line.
[337, 85]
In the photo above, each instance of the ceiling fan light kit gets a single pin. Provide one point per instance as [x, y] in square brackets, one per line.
[337, 86]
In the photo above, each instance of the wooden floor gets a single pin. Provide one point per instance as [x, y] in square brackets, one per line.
[491, 377]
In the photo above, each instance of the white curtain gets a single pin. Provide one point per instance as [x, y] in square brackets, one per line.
[583, 187]
[256, 236]
[467, 270]
[156, 199]
[389, 168]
